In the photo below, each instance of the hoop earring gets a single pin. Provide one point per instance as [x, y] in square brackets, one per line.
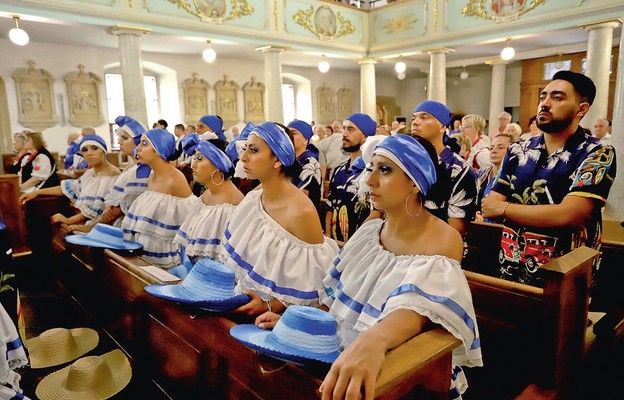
[407, 211]
[212, 178]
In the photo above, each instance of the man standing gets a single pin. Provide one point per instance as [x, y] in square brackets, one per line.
[551, 187]
[602, 130]
[211, 127]
[453, 197]
[346, 211]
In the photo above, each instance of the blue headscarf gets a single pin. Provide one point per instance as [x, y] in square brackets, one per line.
[215, 123]
[73, 148]
[93, 140]
[232, 149]
[411, 157]
[165, 146]
[364, 122]
[192, 143]
[133, 127]
[189, 143]
[303, 127]
[278, 141]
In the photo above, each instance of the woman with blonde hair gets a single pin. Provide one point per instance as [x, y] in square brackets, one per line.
[514, 130]
[40, 165]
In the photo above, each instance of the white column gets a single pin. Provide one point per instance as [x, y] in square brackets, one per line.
[274, 104]
[368, 87]
[497, 94]
[436, 87]
[615, 202]
[132, 70]
[598, 65]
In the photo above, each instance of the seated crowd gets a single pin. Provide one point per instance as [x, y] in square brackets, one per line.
[344, 222]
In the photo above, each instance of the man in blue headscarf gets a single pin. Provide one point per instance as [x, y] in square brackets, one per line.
[346, 210]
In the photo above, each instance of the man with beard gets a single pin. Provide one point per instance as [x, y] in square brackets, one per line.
[346, 212]
[551, 187]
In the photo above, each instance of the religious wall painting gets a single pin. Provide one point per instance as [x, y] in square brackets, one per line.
[345, 103]
[499, 10]
[325, 104]
[195, 98]
[35, 97]
[227, 105]
[324, 23]
[215, 11]
[253, 94]
[84, 98]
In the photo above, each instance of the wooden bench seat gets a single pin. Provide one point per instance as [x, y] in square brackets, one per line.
[13, 215]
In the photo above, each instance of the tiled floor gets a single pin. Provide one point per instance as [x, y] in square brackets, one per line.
[44, 308]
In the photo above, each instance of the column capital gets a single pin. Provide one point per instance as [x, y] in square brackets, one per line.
[128, 30]
[271, 48]
[438, 50]
[605, 23]
[496, 62]
[364, 61]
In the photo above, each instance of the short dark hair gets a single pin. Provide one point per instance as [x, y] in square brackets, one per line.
[583, 85]
[179, 126]
[163, 123]
[533, 118]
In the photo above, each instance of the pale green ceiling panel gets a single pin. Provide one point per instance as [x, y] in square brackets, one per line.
[403, 21]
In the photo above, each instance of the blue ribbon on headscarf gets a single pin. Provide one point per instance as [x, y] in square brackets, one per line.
[71, 151]
[189, 143]
[216, 156]
[165, 146]
[135, 126]
[215, 123]
[411, 157]
[94, 140]
[278, 141]
[231, 149]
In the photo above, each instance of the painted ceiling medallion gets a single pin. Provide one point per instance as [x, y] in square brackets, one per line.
[400, 23]
[324, 23]
[215, 10]
[499, 10]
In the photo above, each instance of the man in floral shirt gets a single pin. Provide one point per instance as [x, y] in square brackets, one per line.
[453, 197]
[551, 187]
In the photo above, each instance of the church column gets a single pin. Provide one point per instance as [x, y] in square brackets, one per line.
[368, 88]
[598, 66]
[615, 202]
[497, 94]
[274, 107]
[437, 75]
[132, 70]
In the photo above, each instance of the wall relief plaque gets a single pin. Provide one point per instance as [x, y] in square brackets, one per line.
[345, 103]
[84, 98]
[325, 104]
[35, 97]
[254, 101]
[227, 105]
[195, 98]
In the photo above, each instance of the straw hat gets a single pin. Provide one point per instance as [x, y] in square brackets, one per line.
[58, 346]
[88, 378]
[303, 335]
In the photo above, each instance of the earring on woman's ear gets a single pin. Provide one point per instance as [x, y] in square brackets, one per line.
[407, 210]
[212, 178]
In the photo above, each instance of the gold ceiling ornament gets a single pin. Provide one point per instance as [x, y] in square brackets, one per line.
[400, 23]
[215, 10]
[499, 10]
[324, 23]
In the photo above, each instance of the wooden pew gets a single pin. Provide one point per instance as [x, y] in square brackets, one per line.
[195, 357]
[12, 214]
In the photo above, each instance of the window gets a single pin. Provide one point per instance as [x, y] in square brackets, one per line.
[551, 68]
[288, 98]
[115, 101]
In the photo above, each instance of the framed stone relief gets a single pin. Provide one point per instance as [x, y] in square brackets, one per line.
[195, 98]
[35, 97]
[254, 101]
[325, 104]
[345, 103]
[227, 105]
[84, 98]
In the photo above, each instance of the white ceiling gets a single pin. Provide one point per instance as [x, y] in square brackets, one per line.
[473, 55]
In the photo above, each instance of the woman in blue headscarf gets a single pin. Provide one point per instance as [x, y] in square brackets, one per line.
[156, 215]
[275, 243]
[87, 193]
[203, 232]
[127, 187]
[395, 277]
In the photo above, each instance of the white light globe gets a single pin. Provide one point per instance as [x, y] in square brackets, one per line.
[400, 67]
[323, 66]
[508, 53]
[209, 55]
[464, 75]
[19, 36]
[401, 76]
